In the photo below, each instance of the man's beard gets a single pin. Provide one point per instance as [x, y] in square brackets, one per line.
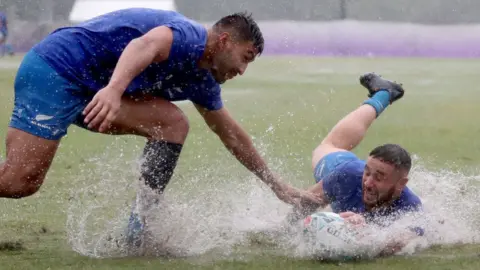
[380, 201]
[219, 78]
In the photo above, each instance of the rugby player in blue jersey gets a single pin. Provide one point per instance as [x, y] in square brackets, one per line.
[366, 191]
[118, 74]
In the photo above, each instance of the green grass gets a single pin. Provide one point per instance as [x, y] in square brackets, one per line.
[288, 105]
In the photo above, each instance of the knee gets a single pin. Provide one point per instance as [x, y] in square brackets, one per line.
[28, 189]
[18, 182]
[174, 127]
[179, 123]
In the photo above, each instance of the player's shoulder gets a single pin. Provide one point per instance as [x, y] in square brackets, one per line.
[187, 32]
[409, 200]
[189, 26]
[164, 17]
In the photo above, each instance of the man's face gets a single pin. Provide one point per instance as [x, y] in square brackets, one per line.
[231, 57]
[381, 182]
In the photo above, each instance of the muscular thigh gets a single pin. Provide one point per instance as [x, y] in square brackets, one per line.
[28, 156]
[147, 117]
[137, 116]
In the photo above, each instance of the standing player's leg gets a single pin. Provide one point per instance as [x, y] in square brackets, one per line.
[350, 131]
[164, 126]
[44, 108]
[28, 159]
[166, 129]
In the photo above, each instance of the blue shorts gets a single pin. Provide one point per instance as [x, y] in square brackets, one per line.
[330, 162]
[46, 104]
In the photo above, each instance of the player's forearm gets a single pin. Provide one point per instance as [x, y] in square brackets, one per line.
[241, 146]
[397, 242]
[391, 248]
[136, 57]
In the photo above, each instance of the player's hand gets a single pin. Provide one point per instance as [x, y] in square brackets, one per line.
[392, 248]
[353, 218]
[103, 109]
[397, 242]
[302, 200]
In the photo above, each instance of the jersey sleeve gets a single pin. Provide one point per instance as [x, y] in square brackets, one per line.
[189, 39]
[415, 206]
[419, 223]
[207, 93]
[340, 184]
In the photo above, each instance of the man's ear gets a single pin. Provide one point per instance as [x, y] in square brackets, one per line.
[402, 182]
[223, 39]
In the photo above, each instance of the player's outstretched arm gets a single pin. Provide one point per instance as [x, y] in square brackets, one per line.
[152, 47]
[238, 142]
[306, 208]
[397, 243]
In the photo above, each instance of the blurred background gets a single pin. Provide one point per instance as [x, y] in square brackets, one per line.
[322, 27]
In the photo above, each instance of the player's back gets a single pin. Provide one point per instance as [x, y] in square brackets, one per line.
[87, 53]
[116, 29]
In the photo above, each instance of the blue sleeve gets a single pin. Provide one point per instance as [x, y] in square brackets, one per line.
[417, 208]
[412, 205]
[207, 94]
[340, 185]
[188, 42]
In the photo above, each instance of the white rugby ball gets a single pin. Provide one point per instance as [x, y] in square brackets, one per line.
[327, 235]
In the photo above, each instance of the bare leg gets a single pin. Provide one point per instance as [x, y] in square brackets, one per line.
[28, 157]
[27, 162]
[350, 131]
[166, 128]
[344, 136]
[152, 118]
[347, 133]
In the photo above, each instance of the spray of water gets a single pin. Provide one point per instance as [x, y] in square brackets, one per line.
[227, 219]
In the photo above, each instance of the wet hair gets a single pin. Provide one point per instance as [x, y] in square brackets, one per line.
[393, 154]
[244, 26]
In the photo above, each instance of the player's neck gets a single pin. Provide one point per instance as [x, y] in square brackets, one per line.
[205, 61]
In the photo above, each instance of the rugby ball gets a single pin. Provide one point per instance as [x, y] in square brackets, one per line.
[327, 234]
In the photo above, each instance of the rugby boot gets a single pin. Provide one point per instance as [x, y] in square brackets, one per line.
[375, 83]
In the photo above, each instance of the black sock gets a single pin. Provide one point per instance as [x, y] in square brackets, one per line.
[160, 161]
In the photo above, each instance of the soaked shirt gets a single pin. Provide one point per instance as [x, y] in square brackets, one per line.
[86, 54]
[343, 189]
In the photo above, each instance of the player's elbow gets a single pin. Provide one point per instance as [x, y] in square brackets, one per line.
[139, 43]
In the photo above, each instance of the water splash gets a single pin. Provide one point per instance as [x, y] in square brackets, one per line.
[241, 212]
